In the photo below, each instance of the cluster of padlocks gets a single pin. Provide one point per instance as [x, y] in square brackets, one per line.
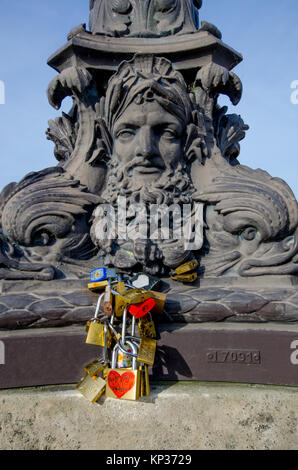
[122, 371]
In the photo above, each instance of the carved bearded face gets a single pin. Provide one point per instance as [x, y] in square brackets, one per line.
[148, 141]
[147, 113]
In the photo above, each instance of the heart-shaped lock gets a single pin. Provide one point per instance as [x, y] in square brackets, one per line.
[121, 383]
[140, 310]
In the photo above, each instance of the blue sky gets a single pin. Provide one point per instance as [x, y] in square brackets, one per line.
[265, 32]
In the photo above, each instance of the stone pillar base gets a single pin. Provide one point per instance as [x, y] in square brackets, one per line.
[177, 416]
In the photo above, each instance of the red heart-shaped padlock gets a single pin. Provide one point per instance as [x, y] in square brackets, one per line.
[121, 384]
[140, 310]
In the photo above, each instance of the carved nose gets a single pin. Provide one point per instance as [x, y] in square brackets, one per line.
[146, 146]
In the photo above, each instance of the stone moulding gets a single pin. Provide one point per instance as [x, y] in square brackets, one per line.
[104, 53]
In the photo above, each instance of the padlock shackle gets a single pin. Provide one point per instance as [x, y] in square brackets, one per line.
[98, 306]
[124, 350]
[119, 347]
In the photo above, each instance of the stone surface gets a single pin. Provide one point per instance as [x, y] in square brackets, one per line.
[217, 417]
[146, 126]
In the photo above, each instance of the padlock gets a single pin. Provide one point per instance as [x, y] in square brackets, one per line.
[187, 267]
[147, 327]
[147, 350]
[144, 381]
[147, 382]
[123, 383]
[94, 368]
[140, 310]
[96, 329]
[119, 302]
[135, 296]
[102, 274]
[97, 286]
[91, 387]
[185, 278]
[160, 299]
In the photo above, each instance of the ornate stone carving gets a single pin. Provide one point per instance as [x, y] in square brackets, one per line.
[144, 18]
[147, 126]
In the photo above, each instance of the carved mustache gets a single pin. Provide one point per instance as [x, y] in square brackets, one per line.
[155, 162]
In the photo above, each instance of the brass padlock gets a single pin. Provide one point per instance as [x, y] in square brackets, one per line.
[96, 329]
[147, 327]
[91, 387]
[144, 381]
[123, 383]
[94, 368]
[185, 278]
[160, 299]
[147, 382]
[135, 296]
[97, 286]
[119, 302]
[147, 350]
[187, 267]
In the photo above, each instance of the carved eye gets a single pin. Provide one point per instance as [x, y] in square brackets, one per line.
[42, 239]
[165, 5]
[121, 6]
[249, 234]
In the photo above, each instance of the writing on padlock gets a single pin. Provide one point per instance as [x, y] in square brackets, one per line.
[91, 387]
[140, 310]
[94, 368]
[147, 349]
[123, 383]
[147, 327]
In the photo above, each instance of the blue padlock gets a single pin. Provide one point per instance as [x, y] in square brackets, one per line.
[102, 274]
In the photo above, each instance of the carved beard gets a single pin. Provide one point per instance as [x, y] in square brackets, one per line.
[174, 186]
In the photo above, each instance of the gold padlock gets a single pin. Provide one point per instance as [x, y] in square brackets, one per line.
[147, 327]
[160, 299]
[97, 286]
[96, 333]
[91, 387]
[97, 330]
[120, 303]
[135, 296]
[147, 382]
[124, 383]
[142, 381]
[147, 350]
[187, 267]
[94, 368]
[185, 278]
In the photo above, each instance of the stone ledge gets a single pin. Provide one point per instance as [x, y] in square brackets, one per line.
[177, 416]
